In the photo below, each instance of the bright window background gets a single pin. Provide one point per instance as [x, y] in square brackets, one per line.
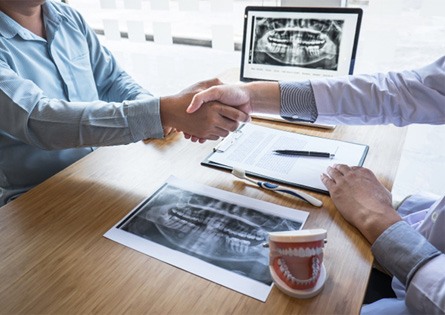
[212, 23]
[394, 34]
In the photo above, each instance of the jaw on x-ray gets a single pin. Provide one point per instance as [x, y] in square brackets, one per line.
[219, 232]
[310, 43]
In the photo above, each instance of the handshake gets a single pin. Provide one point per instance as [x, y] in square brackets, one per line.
[210, 109]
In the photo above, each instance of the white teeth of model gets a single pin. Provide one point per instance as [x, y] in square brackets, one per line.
[300, 252]
[290, 277]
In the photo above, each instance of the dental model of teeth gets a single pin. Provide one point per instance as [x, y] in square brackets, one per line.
[296, 261]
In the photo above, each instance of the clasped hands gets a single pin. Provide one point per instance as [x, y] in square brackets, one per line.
[201, 123]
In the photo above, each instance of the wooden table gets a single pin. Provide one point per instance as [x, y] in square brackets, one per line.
[55, 260]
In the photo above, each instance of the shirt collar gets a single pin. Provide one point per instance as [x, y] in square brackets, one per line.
[9, 28]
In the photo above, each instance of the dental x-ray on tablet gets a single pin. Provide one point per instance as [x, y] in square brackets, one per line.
[299, 43]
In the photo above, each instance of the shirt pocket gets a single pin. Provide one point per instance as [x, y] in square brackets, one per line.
[83, 85]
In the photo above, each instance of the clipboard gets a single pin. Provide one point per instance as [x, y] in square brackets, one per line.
[251, 147]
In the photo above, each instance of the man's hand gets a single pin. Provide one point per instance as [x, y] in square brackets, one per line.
[200, 86]
[255, 97]
[234, 95]
[361, 199]
[211, 122]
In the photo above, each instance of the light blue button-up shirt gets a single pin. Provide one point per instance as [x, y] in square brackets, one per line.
[60, 97]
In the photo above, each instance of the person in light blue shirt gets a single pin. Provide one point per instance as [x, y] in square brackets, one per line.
[62, 94]
[409, 243]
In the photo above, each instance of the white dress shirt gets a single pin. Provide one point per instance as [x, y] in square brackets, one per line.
[412, 250]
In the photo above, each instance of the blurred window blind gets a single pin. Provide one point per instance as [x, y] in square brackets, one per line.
[210, 23]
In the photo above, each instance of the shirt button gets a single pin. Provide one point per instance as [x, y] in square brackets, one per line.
[434, 216]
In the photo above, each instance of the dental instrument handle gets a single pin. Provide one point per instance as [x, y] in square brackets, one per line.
[299, 194]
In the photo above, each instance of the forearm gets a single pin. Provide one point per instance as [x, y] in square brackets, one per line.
[57, 124]
[96, 124]
[394, 97]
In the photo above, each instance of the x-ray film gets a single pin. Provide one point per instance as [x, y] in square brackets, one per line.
[215, 234]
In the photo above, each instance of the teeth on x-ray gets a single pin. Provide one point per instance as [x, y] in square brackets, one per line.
[298, 42]
[237, 245]
[189, 218]
[193, 226]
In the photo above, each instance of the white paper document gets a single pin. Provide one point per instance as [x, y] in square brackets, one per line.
[252, 146]
[215, 234]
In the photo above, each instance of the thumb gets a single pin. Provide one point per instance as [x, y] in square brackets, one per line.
[195, 104]
[211, 94]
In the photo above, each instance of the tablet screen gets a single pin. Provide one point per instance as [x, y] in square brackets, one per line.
[295, 43]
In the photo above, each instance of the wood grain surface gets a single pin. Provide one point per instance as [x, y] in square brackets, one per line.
[55, 260]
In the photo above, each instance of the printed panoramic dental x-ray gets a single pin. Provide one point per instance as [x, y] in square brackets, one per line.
[218, 232]
[307, 43]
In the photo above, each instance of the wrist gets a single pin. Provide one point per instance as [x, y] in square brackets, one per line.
[167, 112]
[374, 226]
[265, 97]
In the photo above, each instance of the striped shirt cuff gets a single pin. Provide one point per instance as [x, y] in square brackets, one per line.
[402, 251]
[298, 101]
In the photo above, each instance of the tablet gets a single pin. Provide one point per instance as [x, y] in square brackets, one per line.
[298, 43]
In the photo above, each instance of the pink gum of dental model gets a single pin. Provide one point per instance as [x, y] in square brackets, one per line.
[296, 261]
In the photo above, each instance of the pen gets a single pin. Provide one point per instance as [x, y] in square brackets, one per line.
[305, 153]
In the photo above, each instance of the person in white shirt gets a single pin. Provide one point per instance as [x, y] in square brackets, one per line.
[409, 242]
